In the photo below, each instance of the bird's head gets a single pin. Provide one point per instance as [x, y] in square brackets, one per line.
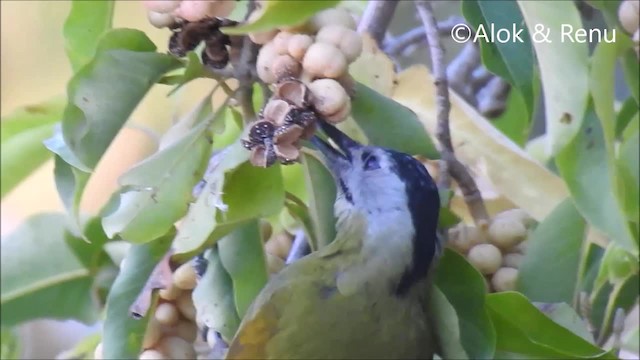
[393, 191]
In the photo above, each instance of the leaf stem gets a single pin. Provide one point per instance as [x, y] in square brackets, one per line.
[454, 167]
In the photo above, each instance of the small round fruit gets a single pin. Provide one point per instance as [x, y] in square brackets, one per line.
[152, 334]
[266, 56]
[194, 10]
[333, 16]
[281, 42]
[506, 233]
[517, 215]
[512, 260]
[463, 237]
[485, 257]
[347, 40]
[324, 60]
[187, 330]
[505, 279]
[152, 354]
[629, 15]
[522, 247]
[161, 6]
[329, 97]
[160, 20]
[177, 348]
[284, 66]
[341, 115]
[274, 263]
[97, 353]
[279, 245]
[185, 277]
[298, 46]
[171, 293]
[186, 307]
[262, 38]
[167, 314]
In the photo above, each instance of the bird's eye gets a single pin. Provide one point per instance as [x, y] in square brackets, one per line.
[371, 163]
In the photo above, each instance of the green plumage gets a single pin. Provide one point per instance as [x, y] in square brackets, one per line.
[335, 304]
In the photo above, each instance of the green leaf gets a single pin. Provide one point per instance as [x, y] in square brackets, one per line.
[624, 295]
[242, 255]
[549, 271]
[511, 122]
[521, 328]
[101, 96]
[626, 116]
[465, 289]
[156, 192]
[21, 134]
[389, 124]
[9, 344]
[299, 211]
[628, 166]
[282, 13]
[86, 22]
[511, 60]
[447, 327]
[122, 334]
[631, 70]
[41, 276]
[234, 192]
[563, 68]
[213, 298]
[587, 172]
[565, 316]
[193, 70]
[84, 349]
[321, 191]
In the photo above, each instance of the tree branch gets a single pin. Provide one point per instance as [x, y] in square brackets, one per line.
[377, 17]
[418, 35]
[458, 171]
[244, 72]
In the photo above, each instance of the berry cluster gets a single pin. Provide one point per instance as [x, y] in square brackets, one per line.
[166, 13]
[308, 65]
[496, 251]
[629, 16]
[172, 330]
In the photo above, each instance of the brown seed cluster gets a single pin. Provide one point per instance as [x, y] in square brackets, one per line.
[172, 330]
[308, 65]
[287, 118]
[496, 251]
[629, 16]
[218, 46]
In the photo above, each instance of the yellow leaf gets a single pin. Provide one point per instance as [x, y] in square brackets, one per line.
[513, 173]
[373, 67]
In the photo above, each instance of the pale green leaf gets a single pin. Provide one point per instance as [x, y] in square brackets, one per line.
[86, 22]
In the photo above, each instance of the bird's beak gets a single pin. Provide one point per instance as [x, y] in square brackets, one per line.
[336, 160]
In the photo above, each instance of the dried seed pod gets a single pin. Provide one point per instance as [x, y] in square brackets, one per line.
[298, 46]
[167, 314]
[324, 60]
[266, 56]
[185, 277]
[329, 97]
[347, 40]
[215, 55]
[486, 258]
[332, 16]
[284, 66]
[177, 348]
[505, 279]
[288, 134]
[152, 354]
[160, 20]
[276, 111]
[263, 156]
[293, 91]
[288, 153]
[261, 131]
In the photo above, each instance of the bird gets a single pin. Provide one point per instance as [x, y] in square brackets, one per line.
[365, 294]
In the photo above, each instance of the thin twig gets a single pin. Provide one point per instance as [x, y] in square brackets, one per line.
[417, 35]
[376, 18]
[245, 75]
[458, 171]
